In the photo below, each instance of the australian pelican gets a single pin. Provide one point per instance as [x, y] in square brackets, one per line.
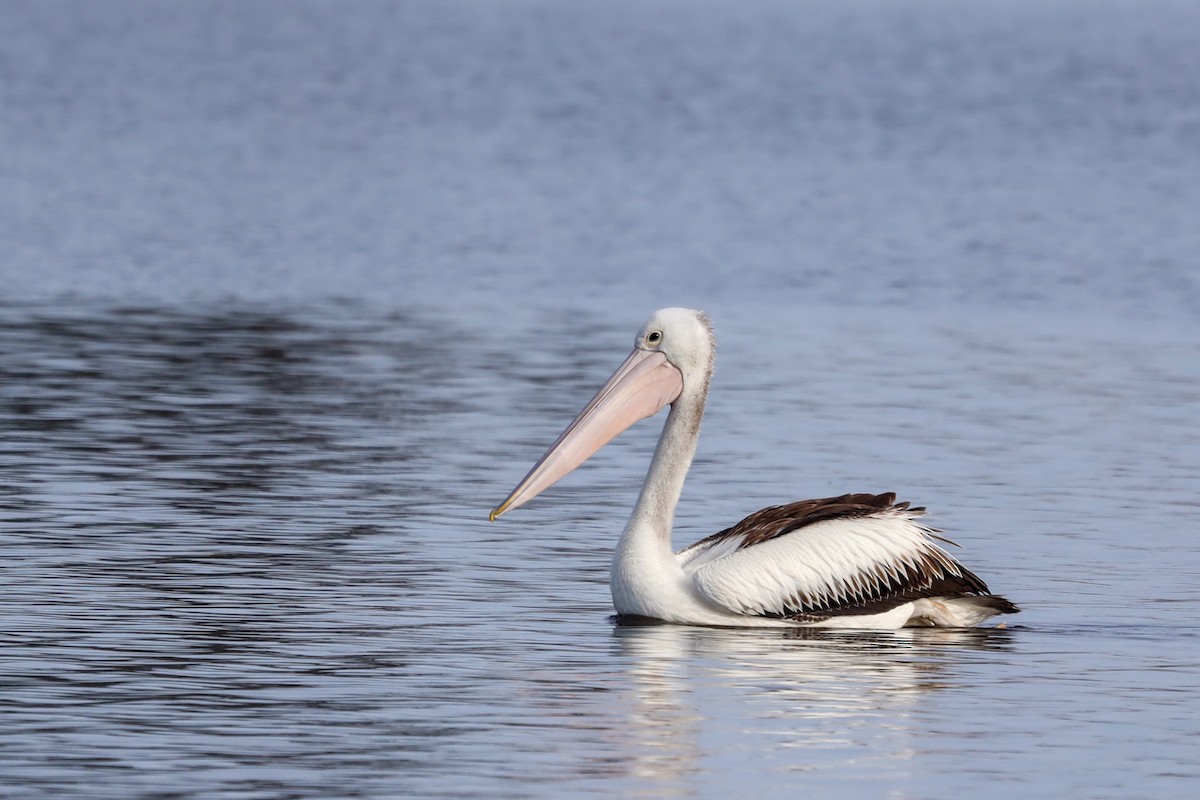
[855, 561]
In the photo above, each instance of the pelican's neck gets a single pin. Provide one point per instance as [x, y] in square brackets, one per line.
[645, 579]
[654, 514]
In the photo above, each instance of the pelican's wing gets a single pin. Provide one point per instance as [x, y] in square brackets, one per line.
[815, 559]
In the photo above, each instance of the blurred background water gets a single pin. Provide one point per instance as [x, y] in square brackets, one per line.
[293, 294]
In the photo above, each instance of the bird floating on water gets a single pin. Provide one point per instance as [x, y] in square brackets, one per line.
[855, 561]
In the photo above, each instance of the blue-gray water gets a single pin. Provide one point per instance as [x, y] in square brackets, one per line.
[292, 295]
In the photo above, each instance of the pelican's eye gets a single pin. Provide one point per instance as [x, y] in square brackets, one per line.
[654, 337]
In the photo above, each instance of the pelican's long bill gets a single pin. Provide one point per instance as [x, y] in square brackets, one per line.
[638, 389]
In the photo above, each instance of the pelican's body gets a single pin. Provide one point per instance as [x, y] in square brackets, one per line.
[855, 561]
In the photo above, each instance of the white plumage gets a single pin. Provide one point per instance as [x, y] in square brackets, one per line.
[828, 563]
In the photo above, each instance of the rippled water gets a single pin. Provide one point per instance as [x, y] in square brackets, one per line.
[247, 553]
[292, 299]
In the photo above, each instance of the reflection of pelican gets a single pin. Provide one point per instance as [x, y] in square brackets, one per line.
[855, 561]
[828, 699]
[824, 662]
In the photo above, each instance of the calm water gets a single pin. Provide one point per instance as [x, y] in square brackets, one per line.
[293, 296]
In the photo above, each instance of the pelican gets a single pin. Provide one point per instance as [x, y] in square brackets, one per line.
[855, 561]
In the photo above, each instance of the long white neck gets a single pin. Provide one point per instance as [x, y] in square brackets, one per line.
[655, 508]
[644, 572]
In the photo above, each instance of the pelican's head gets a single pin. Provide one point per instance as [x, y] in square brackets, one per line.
[672, 356]
[685, 337]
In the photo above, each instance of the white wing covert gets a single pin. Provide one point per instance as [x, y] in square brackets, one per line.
[848, 555]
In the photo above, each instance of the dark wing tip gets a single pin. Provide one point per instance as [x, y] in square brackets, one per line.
[1001, 605]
